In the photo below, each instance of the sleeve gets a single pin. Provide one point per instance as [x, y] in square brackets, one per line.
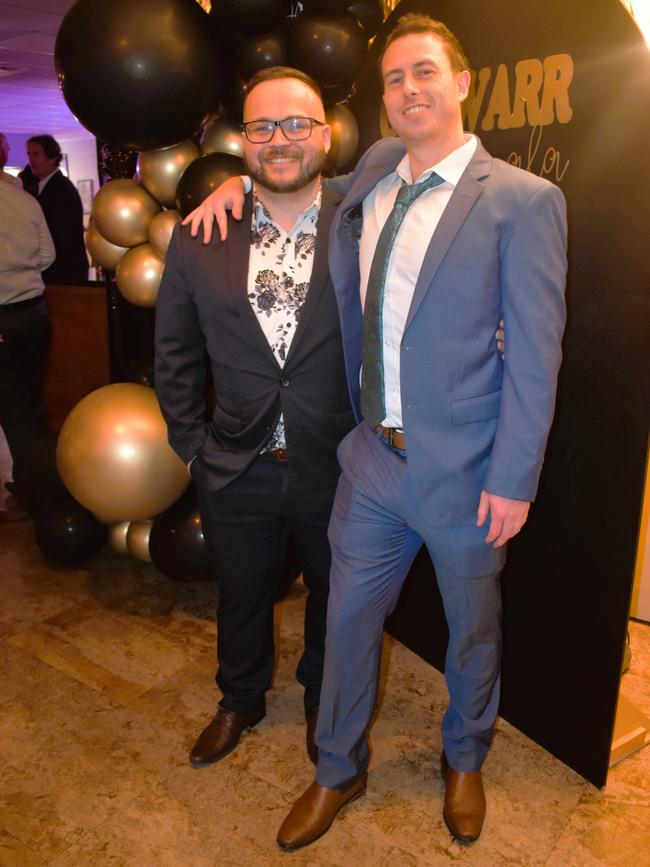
[180, 371]
[46, 250]
[533, 274]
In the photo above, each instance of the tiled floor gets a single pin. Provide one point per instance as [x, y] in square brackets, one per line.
[107, 677]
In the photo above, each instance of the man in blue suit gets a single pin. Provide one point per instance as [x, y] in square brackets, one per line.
[434, 242]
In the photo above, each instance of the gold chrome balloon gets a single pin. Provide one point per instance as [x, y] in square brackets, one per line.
[160, 230]
[137, 540]
[114, 458]
[117, 537]
[102, 251]
[345, 133]
[138, 275]
[122, 212]
[160, 171]
[222, 136]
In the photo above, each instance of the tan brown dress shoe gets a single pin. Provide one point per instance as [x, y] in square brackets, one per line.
[311, 718]
[222, 735]
[464, 810]
[314, 812]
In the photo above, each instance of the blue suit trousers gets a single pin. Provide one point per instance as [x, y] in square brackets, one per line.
[376, 529]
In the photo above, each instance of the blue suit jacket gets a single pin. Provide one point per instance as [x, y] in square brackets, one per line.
[472, 419]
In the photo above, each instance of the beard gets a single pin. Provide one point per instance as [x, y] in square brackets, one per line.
[307, 170]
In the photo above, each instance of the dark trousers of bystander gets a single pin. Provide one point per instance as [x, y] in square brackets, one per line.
[24, 340]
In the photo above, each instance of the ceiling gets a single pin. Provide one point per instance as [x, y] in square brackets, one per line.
[30, 100]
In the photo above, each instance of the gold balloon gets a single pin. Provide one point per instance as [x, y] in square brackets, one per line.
[117, 537]
[114, 458]
[345, 134]
[160, 171]
[102, 251]
[122, 212]
[137, 540]
[222, 136]
[160, 230]
[138, 275]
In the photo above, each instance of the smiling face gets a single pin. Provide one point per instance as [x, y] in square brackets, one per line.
[423, 93]
[39, 162]
[280, 165]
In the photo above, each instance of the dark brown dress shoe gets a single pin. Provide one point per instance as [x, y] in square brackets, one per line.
[464, 810]
[311, 717]
[222, 735]
[314, 812]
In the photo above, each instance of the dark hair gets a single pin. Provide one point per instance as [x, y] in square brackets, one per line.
[417, 23]
[49, 144]
[271, 73]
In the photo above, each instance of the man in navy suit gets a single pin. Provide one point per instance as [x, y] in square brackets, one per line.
[262, 307]
[453, 440]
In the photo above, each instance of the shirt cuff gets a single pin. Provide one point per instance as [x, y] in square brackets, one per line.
[248, 184]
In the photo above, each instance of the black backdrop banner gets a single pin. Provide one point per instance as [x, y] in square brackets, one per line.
[562, 90]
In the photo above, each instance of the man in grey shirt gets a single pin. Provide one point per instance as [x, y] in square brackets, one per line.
[26, 249]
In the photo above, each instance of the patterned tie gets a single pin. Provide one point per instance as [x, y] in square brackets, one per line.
[373, 407]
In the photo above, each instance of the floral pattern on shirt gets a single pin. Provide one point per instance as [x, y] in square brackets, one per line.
[278, 281]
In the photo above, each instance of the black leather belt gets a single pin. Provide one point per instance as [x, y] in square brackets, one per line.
[393, 435]
[28, 302]
[280, 456]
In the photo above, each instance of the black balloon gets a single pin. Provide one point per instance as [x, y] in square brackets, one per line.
[138, 74]
[330, 48]
[234, 94]
[370, 13]
[333, 93]
[260, 52]
[139, 372]
[250, 16]
[176, 543]
[202, 177]
[68, 534]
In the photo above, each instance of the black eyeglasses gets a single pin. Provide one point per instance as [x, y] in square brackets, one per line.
[293, 129]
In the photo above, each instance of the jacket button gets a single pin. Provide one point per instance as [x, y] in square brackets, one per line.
[285, 382]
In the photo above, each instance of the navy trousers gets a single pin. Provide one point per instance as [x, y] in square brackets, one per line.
[376, 529]
[246, 526]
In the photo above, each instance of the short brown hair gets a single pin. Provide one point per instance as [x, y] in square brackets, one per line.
[271, 73]
[415, 22]
[50, 145]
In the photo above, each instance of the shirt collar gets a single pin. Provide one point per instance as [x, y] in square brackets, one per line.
[262, 216]
[42, 183]
[449, 169]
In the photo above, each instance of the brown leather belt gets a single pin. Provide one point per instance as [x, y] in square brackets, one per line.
[393, 435]
[280, 456]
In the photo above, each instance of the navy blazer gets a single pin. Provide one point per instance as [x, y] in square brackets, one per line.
[472, 419]
[203, 306]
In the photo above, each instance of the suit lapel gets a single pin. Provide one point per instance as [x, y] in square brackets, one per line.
[463, 199]
[238, 249]
[320, 269]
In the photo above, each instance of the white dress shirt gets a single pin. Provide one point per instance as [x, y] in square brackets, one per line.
[26, 246]
[407, 255]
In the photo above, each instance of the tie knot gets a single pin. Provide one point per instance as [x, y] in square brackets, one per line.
[407, 193]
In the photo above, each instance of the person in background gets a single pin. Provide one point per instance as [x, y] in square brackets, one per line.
[63, 211]
[4, 159]
[26, 250]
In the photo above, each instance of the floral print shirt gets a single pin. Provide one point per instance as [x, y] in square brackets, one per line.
[279, 272]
